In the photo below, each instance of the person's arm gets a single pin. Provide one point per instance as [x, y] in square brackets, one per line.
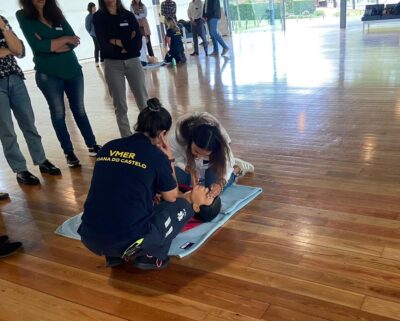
[40, 45]
[88, 23]
[4, 52]
[136, 36]
[168, 41]
[14, 45]
[174, 8]
[100, 25]
[144, 14]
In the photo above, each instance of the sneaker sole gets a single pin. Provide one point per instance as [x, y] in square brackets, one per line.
[92, 154]
[74, 165]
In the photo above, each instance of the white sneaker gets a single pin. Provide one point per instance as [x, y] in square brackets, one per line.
[245, 167]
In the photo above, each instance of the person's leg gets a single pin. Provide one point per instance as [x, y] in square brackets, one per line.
[53, 90]
[135, 74]
[8, 136]
[215, 35]
[212, 27]
[202, 33]
[96, 49]
[149, 46]
[114, 72]
[22, 109]
[167, 222]
[74, 89]
[195, 33]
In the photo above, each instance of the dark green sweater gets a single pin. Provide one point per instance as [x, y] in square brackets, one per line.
[63, 65]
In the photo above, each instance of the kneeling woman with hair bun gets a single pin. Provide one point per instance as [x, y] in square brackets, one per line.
[201, 147]
[120, 219]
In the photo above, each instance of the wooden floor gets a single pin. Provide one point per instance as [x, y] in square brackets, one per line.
[318, 113]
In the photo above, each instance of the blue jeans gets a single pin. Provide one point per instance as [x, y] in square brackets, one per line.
[15, 97]
[53, 89]
[215, 36]
[210, 178]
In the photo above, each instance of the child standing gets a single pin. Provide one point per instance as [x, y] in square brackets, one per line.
[174, 42]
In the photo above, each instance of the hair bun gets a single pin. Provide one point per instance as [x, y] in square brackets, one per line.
[154, 104]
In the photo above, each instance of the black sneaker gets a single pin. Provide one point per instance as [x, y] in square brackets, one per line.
[113, 261]
[27, 178]
[4, 196]
[72, 160]
[148, 262]
[49, 168]
[194, 54]
[94, 150]
[7, 249]
[3, 239]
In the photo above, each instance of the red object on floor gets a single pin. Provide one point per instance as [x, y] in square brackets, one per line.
[193, 222]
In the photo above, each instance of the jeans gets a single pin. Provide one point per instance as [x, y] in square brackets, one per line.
[115, 72]
[14, 97]
[215, 36]
[210, 178]
[53, 89]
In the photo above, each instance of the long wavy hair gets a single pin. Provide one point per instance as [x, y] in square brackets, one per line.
[207, 136]
[103, 7]
[51, 11]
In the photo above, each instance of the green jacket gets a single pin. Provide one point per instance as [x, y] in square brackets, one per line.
[64, 65]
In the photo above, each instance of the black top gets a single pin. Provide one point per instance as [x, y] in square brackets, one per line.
[127, 174]
[119, 26]
[176, 40]
[212, 9]
[8, 64]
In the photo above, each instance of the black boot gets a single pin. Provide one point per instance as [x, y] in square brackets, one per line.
[27, 178]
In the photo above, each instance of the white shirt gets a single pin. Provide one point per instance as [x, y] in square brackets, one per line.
[195, 10]
[201, 164]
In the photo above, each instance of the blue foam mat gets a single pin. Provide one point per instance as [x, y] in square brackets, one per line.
[233, 200]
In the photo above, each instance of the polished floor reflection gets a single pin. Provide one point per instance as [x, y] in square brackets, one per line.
[317, 112]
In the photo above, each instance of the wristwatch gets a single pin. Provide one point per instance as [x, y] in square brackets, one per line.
[5, 28]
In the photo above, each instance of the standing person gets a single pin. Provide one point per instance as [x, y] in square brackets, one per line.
[212, 14]
[168, 9]
[174, 42]
[52, 41]
[195, 13]
[120, 41]
[121, 220]
[90, 29]
[202, 153]
[140, 11]
[14, 97]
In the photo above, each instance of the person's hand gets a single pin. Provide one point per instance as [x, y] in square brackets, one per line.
[73, 40]
[200, 196]
[215, 190]
[157, 199]
[2, 23]
[133, 34]
[163, 145]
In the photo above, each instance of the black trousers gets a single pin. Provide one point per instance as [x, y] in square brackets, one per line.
[97, 51]
[199, 30]
[167, 222]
